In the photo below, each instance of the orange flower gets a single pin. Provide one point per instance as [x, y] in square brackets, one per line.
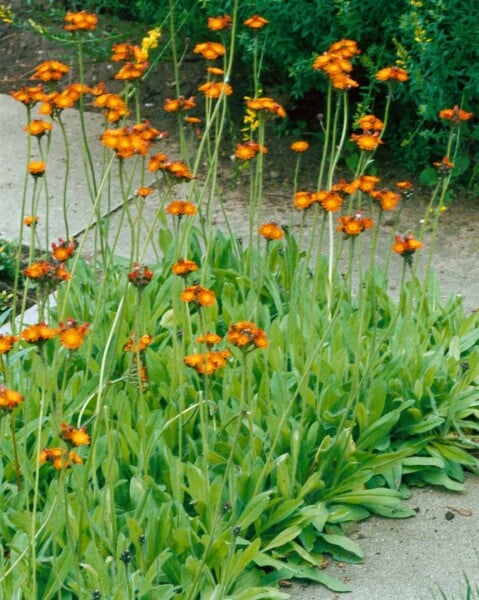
[38, 333]
[36, 168]
[330, 201]
[38, 127]
[184, 267]
[366, 183]
[80, 21]
[299, 146]
[303, 199]
[131, 345]
[247, 336]
[140, 276]
[72, 335]
[249, 150]
[9, 399]
[271, 231]
[455, 115]
[266, 104]
[63, 250]
[179, 170]
[177, 104]
[210, 50]
[392, 74]
[256, 22]
[215, 89]
[371, 123]
[346, 188]
[406, 246]
[444, 166]
[192, 120]
[29, 95]
[179, 208]
[387, 198]
[46, 272]
[344, 48]
[144, 191]
[219, 23]
[78, 437]
[156, 162]
[199, 295]
[208, 363]
[50, 70]
[130, 71]
[60, 458]
[215, 71]
[367, 142]
[354, 225]
[113, 105]
[210, 339]
[6, 343]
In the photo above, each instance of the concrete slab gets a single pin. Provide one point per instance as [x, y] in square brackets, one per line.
[416, 558]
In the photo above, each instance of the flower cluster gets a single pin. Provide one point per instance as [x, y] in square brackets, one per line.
[113, 106]
[209, 362]
[215, 89]
[60, 458]
[455, 115]
[370, 138]
[176, 169]
[249, 150]
[181, 208]
[199, 295]
[210, 50]
[9, 399]
[271, 231]
[219, 23]
[77, 437]
[50, 70]
[336, 63]
[47, 273]
[134, 345]
[406, 246]
[265, 105]
[131, 141]
[353, 225]
[183, 267]
[247, 336]
[134, 59]
[140, 276]
[72, 334]
[179, 104]
[386, 198]
[392, 74]
[80, 21]
[38, 334]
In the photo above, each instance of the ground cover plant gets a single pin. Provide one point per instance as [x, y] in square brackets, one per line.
[207, 425]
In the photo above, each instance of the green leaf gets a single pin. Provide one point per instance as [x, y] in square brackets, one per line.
[344, 543]
[253, 510]
[288, 534]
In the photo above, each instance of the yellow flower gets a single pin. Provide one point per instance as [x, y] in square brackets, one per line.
[151, 40]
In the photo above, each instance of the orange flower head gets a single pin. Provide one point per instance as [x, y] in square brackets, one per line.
[366, 141]
[303, 200]
[249, 150]
[344, 49]
[131, 71]
[210, 339]
[247, 336]
[180, 208]
[50, 70]
[394, 73]
[29, 95]
[6, 342]
[78, 437]
[38, 333]
[38, 128]
[140, 276]
[371, 123]
[219, 23]
[208, 363]
[36, 168]
[179, 104]
[9, 399]
[215, 89]
[455, 115]
[271, 231]
[72, 335]
[299, 146]
[60, 458]
[444, 166]
[267, 105]
[387, 198]
[144, 191]
[353, 225]
[406, 246]
[256, 22]
[198, 295]
[132, 345]
[63, 250]
[330, 201]
[183, 268]
[80, 21]
[366, 183]
[210, 50]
